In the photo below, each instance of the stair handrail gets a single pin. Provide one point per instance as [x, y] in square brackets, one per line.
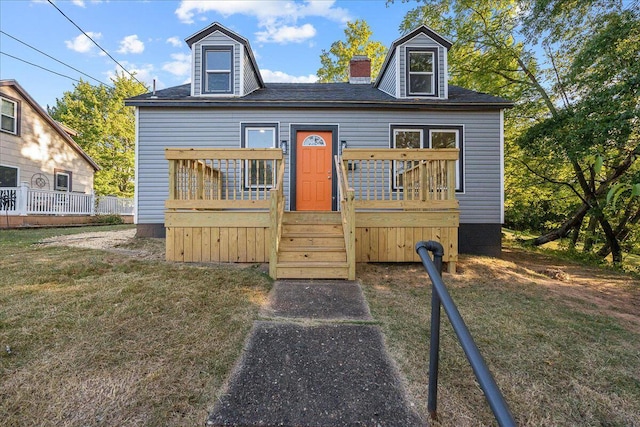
[346, 197]
[441, 297]
[276, 212]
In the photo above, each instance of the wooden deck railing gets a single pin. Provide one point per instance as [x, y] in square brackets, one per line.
[276, 214]
[222, 178]
[402, 179]
[348, 213]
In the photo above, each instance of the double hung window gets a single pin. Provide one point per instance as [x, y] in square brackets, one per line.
[9, 116]
[259, 173]
[217, 66]
[403, 137]
[421, 72]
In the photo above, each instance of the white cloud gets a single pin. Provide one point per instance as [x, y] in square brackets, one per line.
[180, 66]
[174, 41]
[145, 73]
[281, 77]
[276, 17]
[79, 3]
[286, 34]
[82, 44]
[131, 44]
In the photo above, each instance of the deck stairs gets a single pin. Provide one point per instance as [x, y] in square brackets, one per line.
[312, 246]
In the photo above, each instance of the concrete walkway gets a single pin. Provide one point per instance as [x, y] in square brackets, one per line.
[317, 359]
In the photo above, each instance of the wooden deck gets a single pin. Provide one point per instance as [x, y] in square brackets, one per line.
[215, 214]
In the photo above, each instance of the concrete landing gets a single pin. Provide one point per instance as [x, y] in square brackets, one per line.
[308, 373]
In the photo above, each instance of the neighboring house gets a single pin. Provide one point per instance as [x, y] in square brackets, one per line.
[37, 150]
[233, 169]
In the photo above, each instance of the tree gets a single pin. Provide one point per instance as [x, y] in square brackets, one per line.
[106, 130]
[335, 62]
[577, 106]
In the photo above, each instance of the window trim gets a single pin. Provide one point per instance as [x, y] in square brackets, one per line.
[206, 71]
[427, 130]
[17, 174]
[434, 74]
[244, 128]
[69, 176]
[16, 117]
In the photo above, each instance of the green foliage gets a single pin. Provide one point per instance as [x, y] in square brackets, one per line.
[106, 130]
[574, 130]
[111, 219]
[335, 62]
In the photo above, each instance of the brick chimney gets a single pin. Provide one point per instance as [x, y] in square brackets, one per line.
[360, 70]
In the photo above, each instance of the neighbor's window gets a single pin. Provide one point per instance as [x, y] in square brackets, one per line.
[421, 72]
[8, 176]
[62, 180]
[9, 118]
[259, 173]
[217, 69]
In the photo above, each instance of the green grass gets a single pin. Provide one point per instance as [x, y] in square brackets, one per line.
[558, 361]
[89, 337]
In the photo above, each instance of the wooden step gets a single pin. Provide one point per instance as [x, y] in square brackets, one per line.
[312, 218]
[312, 228]
[307, 240]
[306, 255]
[312, 270]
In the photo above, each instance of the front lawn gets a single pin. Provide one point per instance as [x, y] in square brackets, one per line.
[90, 337]
[564, 348]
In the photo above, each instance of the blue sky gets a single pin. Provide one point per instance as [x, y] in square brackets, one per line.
[147, 37]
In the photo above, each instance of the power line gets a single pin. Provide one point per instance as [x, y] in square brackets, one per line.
[49, 56]
[36, 65]
[94, 42]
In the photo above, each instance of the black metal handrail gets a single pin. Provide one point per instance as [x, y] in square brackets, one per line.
[440, 297]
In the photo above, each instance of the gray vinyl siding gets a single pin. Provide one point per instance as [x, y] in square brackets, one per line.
[200, 127]
[215, 39]
[422, 40]
[388, 81]
[250, 78]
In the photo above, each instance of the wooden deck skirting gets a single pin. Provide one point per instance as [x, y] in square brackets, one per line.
[229, 206]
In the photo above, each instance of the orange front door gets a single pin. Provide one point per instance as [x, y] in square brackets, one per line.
[313, 170]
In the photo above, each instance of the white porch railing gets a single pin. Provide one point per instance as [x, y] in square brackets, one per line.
[28, 201]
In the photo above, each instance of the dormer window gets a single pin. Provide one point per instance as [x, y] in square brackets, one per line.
[217, 74]
[422, 72]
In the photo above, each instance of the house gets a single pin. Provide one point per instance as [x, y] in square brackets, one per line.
[314, 177]
[36, 151]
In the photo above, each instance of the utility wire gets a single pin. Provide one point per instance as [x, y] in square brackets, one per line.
[94, 42]
[35, 65]
[49, 56]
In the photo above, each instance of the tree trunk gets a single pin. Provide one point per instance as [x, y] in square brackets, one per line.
[591, 231]
[565, 227]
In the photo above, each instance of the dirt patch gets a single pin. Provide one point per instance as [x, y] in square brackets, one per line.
[593, 289]
[123, 242]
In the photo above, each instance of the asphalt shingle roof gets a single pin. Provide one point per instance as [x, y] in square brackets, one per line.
[323, 95]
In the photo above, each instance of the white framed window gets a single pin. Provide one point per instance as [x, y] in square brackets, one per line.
[426, 136]
[217, 66]
[9, 116]
[259, 173]
[421, 71]
[62, 180]
[447, 138]
[404, 138]
[8, 176]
